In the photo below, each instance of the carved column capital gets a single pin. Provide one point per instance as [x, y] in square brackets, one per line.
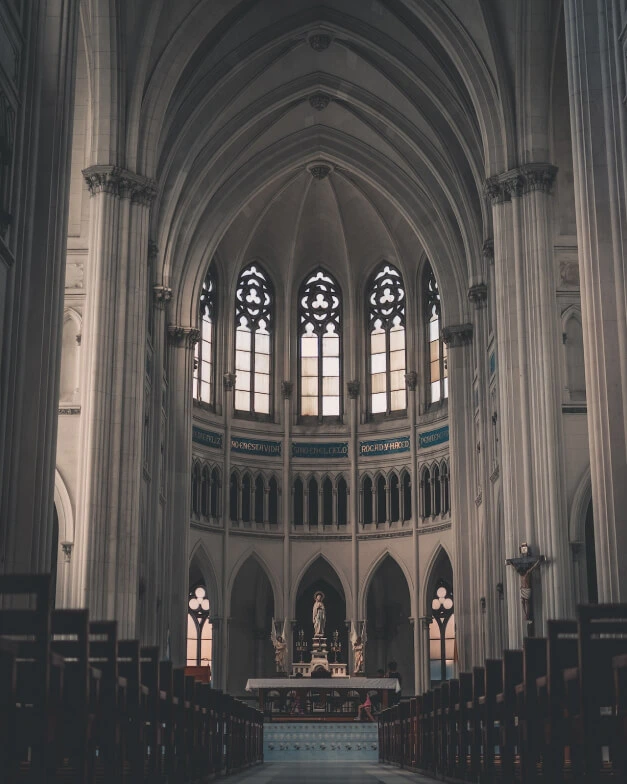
[488, 250]
[353, 389]
[319, 101]
[478, 295]
[286, 389]
[120, 182]
[319, 41]
[320, 170]
[162, 295]
[523, 179]
[411, 379]
[229, 381]
[183, 336]
[457, 335]
[67, 551]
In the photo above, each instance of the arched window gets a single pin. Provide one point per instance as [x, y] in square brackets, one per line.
[203, 360]
[406, 482]
[247, 489]
[259, 498]
[437, 491]
[196, 488]
[426, 493]
[253, 330]
[395, 499]
[342, 501]
[386, 325]
[442, 634]
[205, 491]
[273, 502]
[320, 346]
[381, 500]
[199, 629]
[234, 498]
[575, 370]
[215, 492]
[436, 348]
[366, 489]
[327, 501]
[299, 497]
[446, 494]
[312, 501]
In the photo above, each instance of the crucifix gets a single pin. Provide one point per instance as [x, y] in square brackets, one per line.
[525, 565]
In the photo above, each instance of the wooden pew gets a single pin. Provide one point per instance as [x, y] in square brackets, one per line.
[450, 728]
[619, 666]
[591, 729]
[463, 715]
[506, 715]
[486, 718]
[529, 735]
[478, 691]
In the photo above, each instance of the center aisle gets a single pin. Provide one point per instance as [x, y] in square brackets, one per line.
[328, 773]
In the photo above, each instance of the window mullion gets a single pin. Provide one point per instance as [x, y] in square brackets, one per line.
[251, 391]
[320, 379]
[388, 376]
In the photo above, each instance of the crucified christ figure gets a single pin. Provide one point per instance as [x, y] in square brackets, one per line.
[525, 584]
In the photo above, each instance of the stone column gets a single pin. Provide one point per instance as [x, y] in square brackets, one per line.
[353, 394]
[595, 48]
[460, 371]
[32, 274]
[180, 372]
[286, 392]
[113, 384]
[411, 379]
[229, 391]
[530, 402]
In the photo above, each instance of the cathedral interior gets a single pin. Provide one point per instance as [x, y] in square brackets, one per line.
[305, 296]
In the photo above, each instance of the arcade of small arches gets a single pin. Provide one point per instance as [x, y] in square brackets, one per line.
[320, 498]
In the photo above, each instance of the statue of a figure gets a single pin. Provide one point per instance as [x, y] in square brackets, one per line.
[319, 615]
[524, 567]
[280, 647]
[358, 642]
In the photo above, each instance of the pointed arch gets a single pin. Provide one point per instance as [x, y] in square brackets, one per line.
[296, 583]
[201, 564]
[247, 555]
[372, 570]
[439, 556]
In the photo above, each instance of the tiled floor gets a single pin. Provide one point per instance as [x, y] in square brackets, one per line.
[327, 773]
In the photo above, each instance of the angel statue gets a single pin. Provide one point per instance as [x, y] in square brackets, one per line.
[358, 641]
[319, 614]
[280, 646]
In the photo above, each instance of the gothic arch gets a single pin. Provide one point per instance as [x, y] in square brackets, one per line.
[251, 553]
[201, 560]
[65, 511]
[296, 583]
[372, 570]
[579, 507]
[438, 556]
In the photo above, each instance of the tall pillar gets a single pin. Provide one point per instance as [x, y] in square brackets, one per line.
[32, 274]
[286, 392]
[596, 77]
[460, 371]
[229, 391]
[353, 394]
[528, 347]
[411, 379]
[180, 370]
[113, 373]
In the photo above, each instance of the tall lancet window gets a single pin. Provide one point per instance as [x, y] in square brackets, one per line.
[386, 324]
[436, 348]
[253, 332]
[442, 634]
[320, 344]
[203, 360]
[199, 629]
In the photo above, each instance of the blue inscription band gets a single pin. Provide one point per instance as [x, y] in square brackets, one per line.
[384, 446]
[432, 437]
[206, 437]
[249, 446]
[325, 450]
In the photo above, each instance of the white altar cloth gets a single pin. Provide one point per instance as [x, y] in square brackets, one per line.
[322, 683]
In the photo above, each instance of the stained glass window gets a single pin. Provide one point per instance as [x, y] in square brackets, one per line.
[253, 332]
[442, 634]
[199, 629]
[436, 348]
[386, 324]
[203, 360]
[319, 329]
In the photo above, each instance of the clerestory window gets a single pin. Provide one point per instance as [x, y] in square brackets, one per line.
[320, 347]
[203, 359]
[254, 305]
[386, 325]
[436, 348]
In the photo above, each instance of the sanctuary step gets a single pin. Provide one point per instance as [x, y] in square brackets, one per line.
[331, 741]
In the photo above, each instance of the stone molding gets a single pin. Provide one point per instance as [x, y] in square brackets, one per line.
[162, 295]
[120, 182]
[353, 389]
[488, 250]
[478, 294]
[517, 182]
[229, 381]
[319, 41]
[286, 389]
[183, 336]
[457, 335]
[411, 379]
[319, 101]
